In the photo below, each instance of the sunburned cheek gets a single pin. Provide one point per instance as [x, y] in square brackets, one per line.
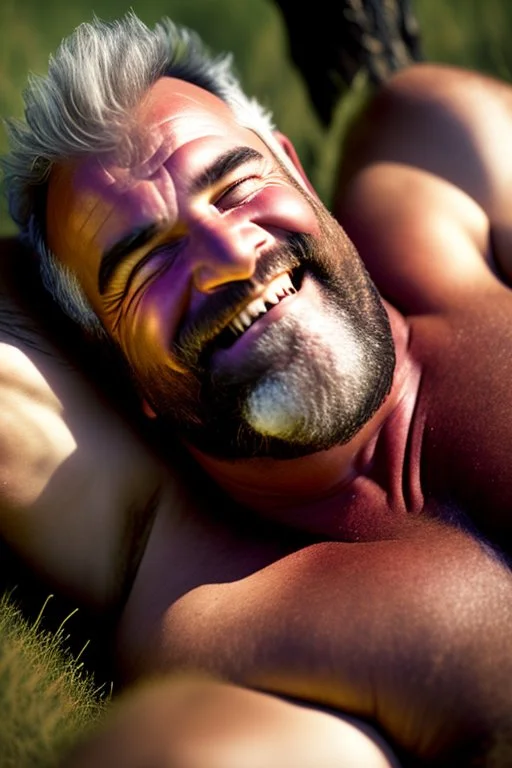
[287, 209]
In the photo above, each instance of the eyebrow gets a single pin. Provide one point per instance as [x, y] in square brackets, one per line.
[226, 163]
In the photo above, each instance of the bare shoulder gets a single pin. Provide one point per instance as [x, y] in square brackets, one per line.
[449, 121]
[423, 190]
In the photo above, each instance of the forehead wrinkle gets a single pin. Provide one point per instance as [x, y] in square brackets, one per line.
[85, 184]
[131, 199]
[91, 207]
[164, 185]
[89, 229]
[94, 212]
[158, 155]
[156, 141]
[145, 165]
[145, 203]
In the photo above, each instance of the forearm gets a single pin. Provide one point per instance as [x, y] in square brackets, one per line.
[196, 722]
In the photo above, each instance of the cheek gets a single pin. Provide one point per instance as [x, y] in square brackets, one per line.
[287, 209]
[150, 323]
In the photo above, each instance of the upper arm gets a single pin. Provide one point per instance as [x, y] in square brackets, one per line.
[424, 241]
[428, 161]
[73, 477]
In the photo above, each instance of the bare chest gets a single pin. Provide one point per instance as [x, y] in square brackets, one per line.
[464, 407]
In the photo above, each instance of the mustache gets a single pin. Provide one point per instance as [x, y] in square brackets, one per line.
[202, 327]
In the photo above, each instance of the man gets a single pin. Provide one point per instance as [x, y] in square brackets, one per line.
[174, 222]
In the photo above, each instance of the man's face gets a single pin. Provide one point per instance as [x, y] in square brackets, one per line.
[243, 310]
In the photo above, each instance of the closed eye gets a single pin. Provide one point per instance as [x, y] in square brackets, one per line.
[238, 193]
[163, 256]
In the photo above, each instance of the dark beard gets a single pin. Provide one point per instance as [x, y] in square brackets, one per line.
[220, 411]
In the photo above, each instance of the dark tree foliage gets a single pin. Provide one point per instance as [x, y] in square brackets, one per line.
[332, 40]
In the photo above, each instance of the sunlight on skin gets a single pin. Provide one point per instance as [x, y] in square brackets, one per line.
[196, 723]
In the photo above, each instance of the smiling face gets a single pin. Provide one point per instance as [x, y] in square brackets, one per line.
[243, 310]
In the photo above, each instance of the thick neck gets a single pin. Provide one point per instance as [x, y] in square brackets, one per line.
[271, 486]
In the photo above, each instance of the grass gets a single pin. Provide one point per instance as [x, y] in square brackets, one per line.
[46, 697]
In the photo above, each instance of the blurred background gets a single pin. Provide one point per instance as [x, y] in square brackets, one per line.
[472, 33]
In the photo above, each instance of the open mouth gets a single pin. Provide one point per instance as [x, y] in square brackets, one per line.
[284, 285]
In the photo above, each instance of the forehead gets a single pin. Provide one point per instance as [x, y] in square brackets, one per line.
[172, 115]
[171, 98]
[178, 129]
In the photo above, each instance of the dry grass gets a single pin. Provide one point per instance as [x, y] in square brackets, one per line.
[46, 697]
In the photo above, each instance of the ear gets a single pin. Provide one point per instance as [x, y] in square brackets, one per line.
[148, 410]
[290, 151]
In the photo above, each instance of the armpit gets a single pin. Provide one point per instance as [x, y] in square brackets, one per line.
[501, 251]
[133, 541]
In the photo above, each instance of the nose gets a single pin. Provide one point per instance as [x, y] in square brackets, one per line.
[226, 251]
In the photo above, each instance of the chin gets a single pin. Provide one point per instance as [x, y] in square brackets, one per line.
[294, 411]
[318, 395]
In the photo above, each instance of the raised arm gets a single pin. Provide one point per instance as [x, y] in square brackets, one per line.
[78, 489]
[424, 186]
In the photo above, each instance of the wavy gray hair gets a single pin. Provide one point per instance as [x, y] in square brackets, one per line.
[83, 106]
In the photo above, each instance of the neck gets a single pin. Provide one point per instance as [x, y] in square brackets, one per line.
[274, 486]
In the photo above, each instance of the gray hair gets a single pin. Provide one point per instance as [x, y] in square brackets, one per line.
[83, 106]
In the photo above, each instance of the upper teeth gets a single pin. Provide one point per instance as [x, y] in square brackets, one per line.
[275, 291]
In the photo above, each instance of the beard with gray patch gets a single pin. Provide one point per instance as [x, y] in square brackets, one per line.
[311, 382]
